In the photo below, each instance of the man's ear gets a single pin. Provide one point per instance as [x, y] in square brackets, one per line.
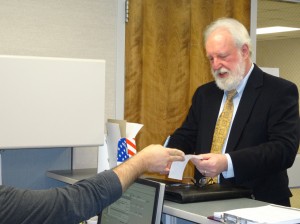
[245, 50]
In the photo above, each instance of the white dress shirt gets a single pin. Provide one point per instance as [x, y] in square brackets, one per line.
[236, 101]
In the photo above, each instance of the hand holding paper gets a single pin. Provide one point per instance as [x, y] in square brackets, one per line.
[177, 167]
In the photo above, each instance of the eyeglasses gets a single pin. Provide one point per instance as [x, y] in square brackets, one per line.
[189, 181]
[204, 181]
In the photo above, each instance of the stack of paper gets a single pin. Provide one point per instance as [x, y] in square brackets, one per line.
[264, 214]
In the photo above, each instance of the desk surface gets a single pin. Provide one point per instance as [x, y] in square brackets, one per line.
[195, 212]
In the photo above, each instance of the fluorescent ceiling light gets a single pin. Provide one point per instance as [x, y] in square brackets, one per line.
[275, 29]
[292, 1]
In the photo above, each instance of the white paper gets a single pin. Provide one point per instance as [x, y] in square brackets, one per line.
[267, 214]
[167, 141]
[271, 71]
[177, 167]
[132, 129]
[103, 163]
[113, 137]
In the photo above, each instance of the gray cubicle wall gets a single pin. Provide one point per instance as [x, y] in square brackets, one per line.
[69, 29]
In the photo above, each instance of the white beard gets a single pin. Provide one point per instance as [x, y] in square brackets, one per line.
[234, 77]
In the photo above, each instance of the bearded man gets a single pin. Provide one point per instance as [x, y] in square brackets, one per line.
[262, 137]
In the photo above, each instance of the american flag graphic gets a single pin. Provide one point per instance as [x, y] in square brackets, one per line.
[126, 149]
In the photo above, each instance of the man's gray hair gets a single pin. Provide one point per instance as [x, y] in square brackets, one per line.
[237, 30]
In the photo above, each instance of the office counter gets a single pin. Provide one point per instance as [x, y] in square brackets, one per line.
[71, 176]
[190, 213]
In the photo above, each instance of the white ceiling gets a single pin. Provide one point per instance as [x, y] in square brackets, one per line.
[278, 13]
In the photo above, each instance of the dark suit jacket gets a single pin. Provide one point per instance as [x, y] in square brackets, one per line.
[264, 138]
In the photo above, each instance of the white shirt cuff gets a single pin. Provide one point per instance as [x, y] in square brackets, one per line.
[230, 172]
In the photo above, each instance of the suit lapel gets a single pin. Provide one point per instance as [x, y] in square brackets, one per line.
[250, 94]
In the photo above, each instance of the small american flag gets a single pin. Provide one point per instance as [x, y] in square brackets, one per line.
[126, 149]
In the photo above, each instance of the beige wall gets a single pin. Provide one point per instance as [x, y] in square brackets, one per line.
[68, 29]
[283, 54]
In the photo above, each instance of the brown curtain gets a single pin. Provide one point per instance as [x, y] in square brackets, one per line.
[166, 62]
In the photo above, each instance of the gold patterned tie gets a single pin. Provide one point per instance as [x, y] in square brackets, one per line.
[222, 126]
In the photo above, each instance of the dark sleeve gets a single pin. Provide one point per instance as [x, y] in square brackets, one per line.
[184, 138]
[70, 204]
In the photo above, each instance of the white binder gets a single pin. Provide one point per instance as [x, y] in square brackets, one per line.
[274, 214]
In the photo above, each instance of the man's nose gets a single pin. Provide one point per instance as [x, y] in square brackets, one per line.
[216, 64]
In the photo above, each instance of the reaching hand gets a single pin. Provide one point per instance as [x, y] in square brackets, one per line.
[154, 158]
[158, 158]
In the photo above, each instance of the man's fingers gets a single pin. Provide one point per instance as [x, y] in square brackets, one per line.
[175, 152]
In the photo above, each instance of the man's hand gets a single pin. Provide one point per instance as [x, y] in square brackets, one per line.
[158, 158]
[211, 165]
[154, 158]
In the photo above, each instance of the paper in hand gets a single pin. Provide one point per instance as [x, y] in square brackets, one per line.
[177, 167]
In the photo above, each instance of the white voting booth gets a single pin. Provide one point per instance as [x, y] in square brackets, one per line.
[51, 102]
